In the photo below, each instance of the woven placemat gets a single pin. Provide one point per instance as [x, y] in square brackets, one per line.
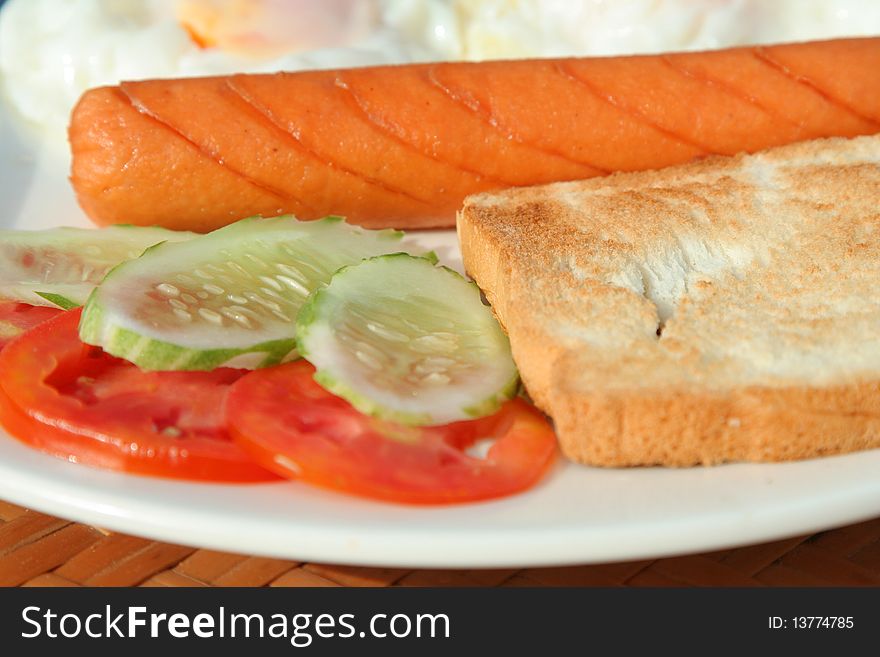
[39, 550]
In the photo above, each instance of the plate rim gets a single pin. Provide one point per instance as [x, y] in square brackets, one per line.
[43, 490]
[567, 546]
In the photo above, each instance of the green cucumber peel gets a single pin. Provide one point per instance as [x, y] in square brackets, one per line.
[229, 298]
[407, 341]
[61, 266]
[57, 300]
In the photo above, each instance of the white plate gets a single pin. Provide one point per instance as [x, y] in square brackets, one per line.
[578, 515]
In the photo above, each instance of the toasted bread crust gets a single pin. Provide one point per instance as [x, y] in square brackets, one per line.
[725, 310]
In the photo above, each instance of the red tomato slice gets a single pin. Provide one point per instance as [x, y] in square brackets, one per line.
[77, 402]
[294, 427]
[16, 318]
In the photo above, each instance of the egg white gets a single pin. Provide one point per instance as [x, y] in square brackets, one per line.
[53, 50]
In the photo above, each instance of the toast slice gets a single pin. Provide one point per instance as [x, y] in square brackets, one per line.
[725, 310]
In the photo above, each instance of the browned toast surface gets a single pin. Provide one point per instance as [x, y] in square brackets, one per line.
[719, 311]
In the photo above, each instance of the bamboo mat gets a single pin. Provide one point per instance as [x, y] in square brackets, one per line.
[39, 550]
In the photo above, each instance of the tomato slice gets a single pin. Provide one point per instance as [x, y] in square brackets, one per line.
[16, 318]
[74, 401]
[294, 427]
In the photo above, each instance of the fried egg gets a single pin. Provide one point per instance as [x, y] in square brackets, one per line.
[53, 50]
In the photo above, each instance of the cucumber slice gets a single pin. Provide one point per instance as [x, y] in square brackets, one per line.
[61, 266]
[404, 340]
[228, 298]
